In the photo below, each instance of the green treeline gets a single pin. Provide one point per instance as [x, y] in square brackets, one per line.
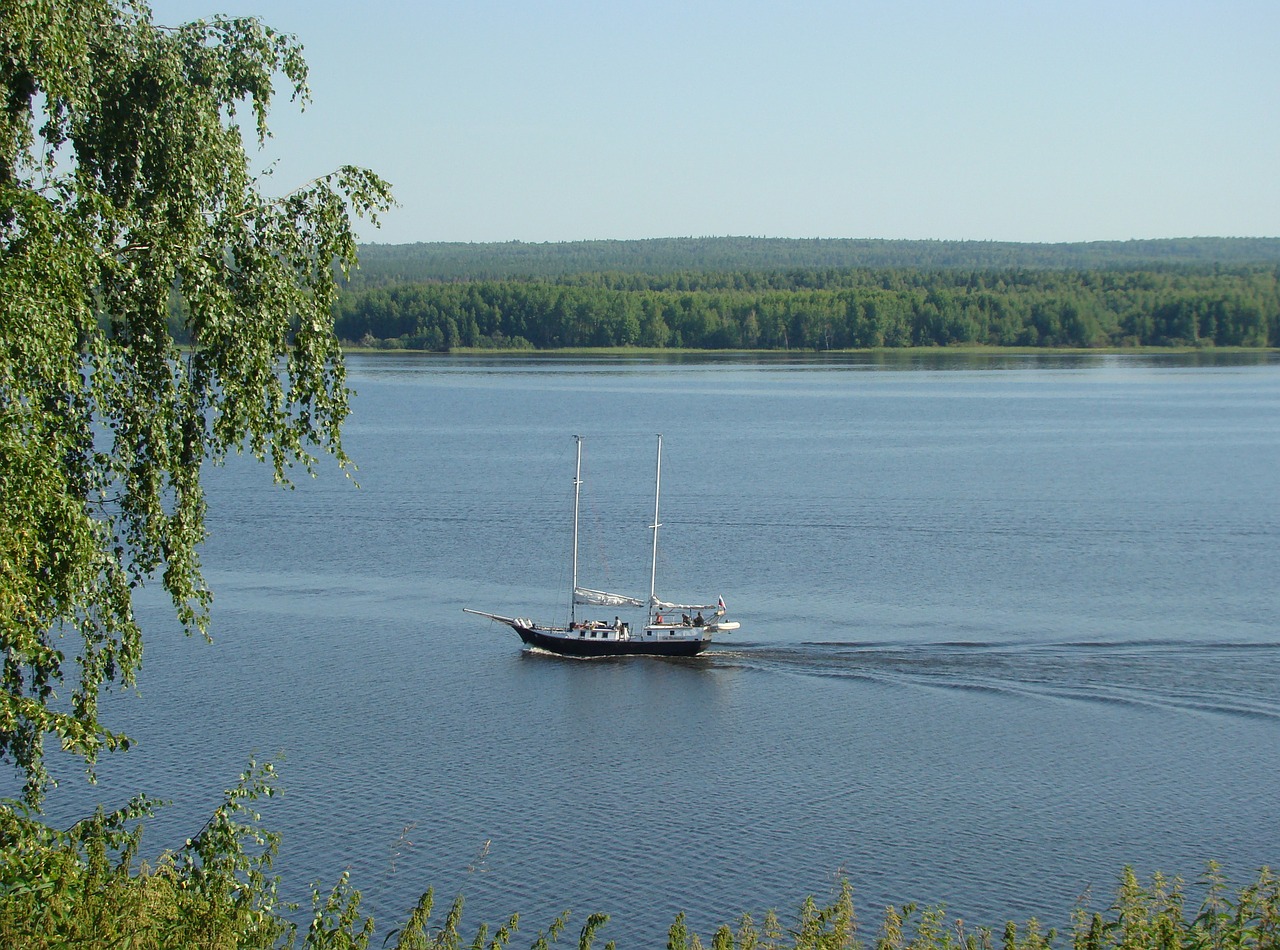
[820, 309]
[382, 264]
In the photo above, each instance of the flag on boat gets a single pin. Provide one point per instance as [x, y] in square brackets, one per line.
[720, 604]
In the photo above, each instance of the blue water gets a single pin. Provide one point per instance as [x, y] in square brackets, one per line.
[1008, 625]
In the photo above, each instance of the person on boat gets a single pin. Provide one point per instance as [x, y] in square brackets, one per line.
[658, 619]
[698, 621]
[684, 619]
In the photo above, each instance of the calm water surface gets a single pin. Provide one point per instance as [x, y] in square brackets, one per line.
[1008, 624]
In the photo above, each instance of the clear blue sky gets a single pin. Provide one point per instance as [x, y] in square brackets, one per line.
[1021, 121]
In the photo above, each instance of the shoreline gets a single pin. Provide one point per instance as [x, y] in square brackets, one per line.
[885, 350]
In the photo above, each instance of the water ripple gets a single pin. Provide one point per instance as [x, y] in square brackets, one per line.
[1169, 674]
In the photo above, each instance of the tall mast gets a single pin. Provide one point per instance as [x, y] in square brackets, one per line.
[657, 489]
[577, 486]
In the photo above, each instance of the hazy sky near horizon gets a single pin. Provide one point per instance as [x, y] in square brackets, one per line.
[1034, 121]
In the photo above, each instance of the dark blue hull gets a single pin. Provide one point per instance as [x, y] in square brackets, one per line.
[573, 645]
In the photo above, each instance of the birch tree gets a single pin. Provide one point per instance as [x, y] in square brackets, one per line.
[127, 196]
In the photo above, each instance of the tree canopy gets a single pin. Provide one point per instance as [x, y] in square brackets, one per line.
[780, 294]
[126, 194]
[826, 309]
[382, 264]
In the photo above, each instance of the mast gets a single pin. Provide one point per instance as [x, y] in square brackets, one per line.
[577, 486]
[657, 488]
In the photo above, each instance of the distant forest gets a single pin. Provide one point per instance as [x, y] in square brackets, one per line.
[412, 263]
[747, 293]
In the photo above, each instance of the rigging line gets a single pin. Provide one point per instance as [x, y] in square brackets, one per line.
[597, 535]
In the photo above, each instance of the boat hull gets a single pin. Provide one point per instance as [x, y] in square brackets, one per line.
[569, 644]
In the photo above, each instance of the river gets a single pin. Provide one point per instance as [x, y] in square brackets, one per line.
[1008, 624]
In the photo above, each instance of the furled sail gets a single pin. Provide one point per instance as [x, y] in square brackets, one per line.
[663, 605]
[601, 598]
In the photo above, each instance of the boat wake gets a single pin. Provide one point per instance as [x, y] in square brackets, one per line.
[539, 653]
[1219, 678]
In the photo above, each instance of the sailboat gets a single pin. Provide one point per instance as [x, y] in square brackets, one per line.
[669, 629]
